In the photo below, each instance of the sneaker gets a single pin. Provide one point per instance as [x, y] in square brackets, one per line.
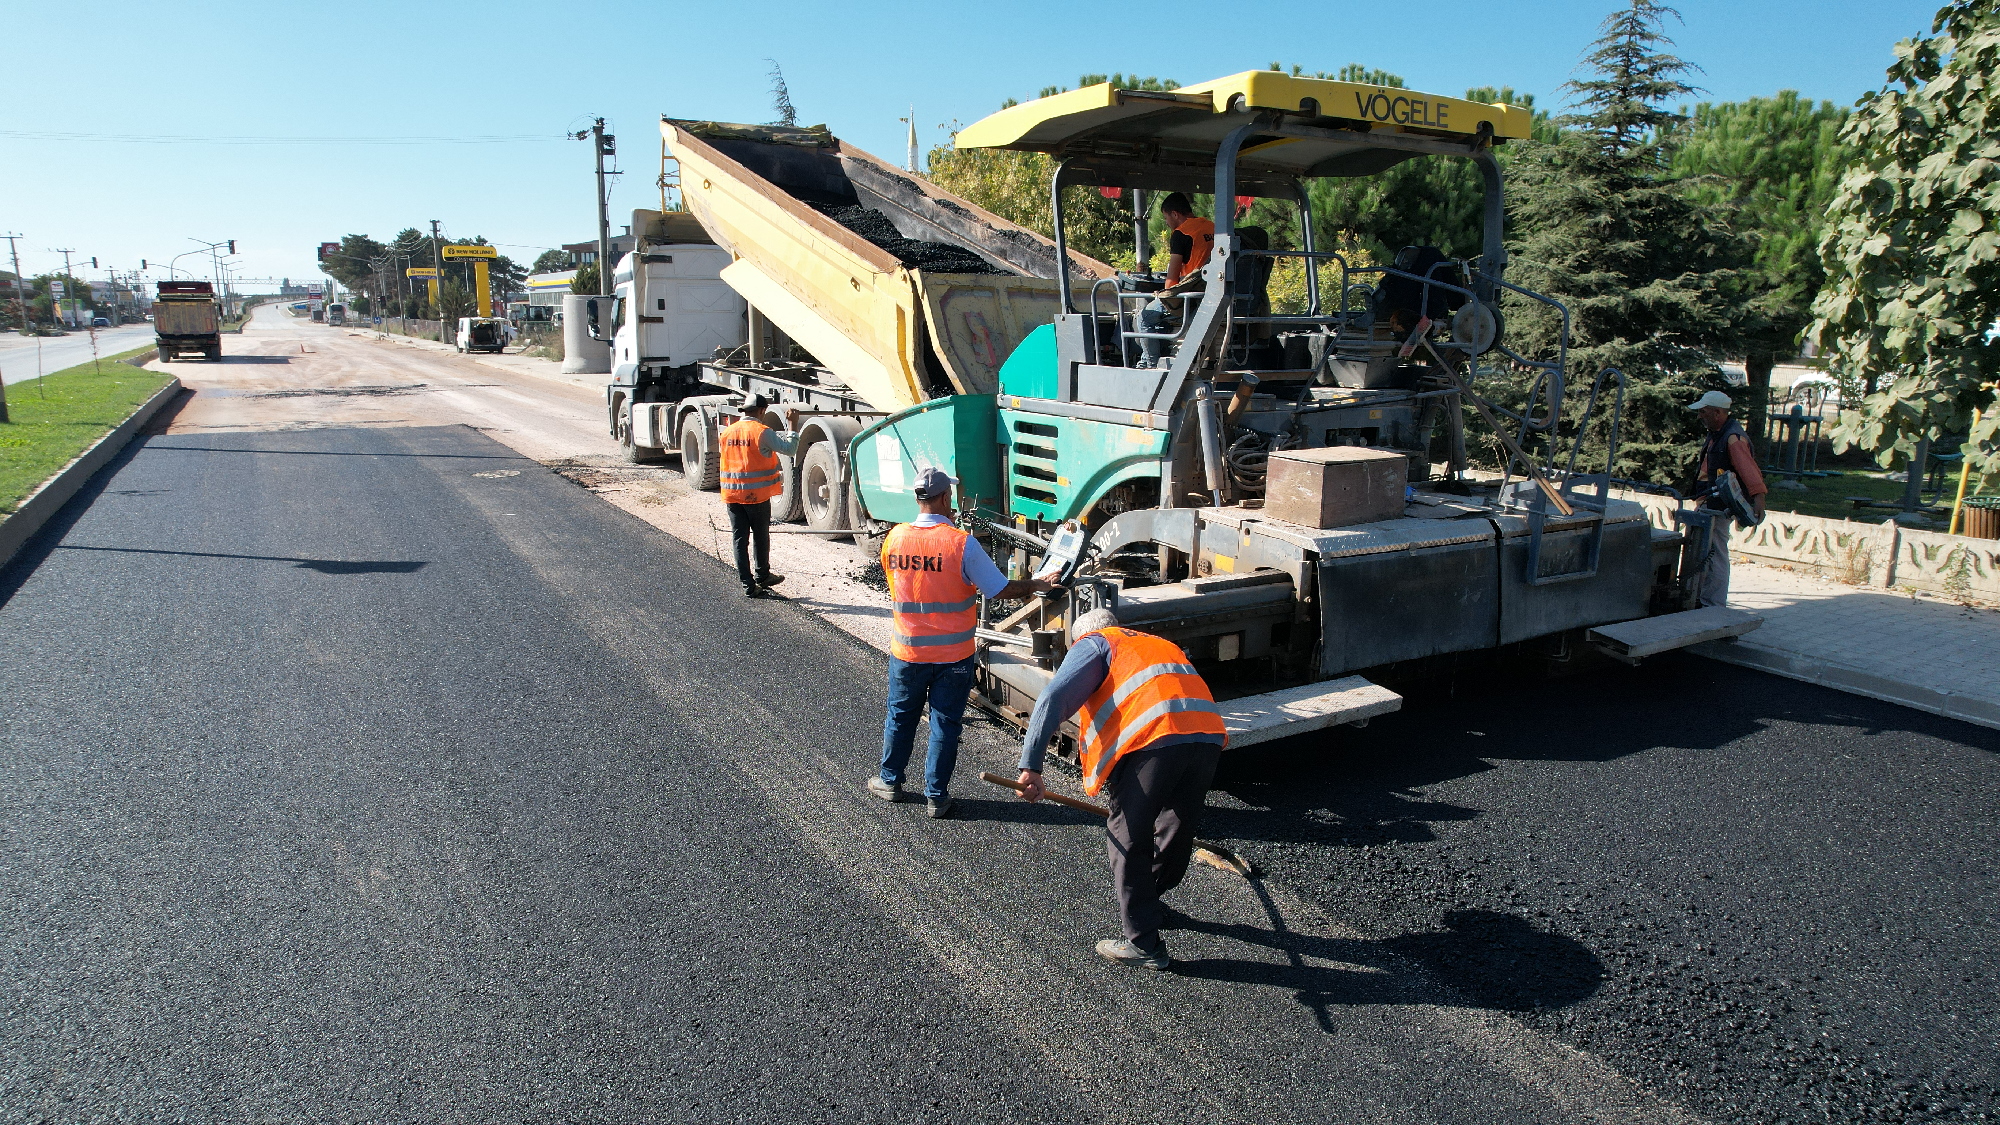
[937, 808]
[884, 790]
[769, 579]
[1123, 951]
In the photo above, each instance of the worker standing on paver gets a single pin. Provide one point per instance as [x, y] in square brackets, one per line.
[936, 573]
[1151, 739]
[1727, 482]
[750, 477]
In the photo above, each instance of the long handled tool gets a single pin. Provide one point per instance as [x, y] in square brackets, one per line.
[1215, 855]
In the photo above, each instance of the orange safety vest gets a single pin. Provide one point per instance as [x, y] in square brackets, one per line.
[749, 475]
[936, 609]
[1202, 232]
[1152, 692]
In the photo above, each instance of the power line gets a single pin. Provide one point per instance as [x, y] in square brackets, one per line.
[165, 139]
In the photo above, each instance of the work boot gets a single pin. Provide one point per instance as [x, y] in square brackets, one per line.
[888, 791]
[756, 592]
[937, 808]
[769, 579]
[1125, 952]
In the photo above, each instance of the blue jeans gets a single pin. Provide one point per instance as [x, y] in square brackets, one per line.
[945, 687]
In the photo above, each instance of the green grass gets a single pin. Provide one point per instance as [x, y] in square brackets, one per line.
[57, 418]
[1827, 496]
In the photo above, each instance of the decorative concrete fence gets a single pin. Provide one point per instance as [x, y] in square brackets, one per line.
[1885, 555]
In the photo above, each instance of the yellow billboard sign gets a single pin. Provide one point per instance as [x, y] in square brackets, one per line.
[421, 271]
[470, 252]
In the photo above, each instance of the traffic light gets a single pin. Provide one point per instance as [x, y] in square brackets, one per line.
[142, 264]
[93, 261]
[232, 246]
[322, 252]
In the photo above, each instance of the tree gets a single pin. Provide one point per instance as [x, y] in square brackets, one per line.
[585, 281]
[353, 265]
[1649, 277]
[455, 301]
[1771, 165]
[781, 97]
[1912, 247]
[551, 261]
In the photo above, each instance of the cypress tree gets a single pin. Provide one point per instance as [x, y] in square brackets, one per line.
[1650, 278]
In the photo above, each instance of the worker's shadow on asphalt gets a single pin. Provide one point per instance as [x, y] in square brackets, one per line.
[1482, 959]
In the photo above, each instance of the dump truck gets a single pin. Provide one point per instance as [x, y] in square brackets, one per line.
[187, 320]
[1285, 493]
[764, 286]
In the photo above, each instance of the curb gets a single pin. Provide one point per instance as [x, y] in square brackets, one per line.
[1854, 681]
[37, 509]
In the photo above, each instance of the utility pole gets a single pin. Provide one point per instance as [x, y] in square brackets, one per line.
[21, 299]
[437, 264]
[69, 289]
[604, 145]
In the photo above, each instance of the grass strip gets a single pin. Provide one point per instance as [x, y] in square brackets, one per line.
[56, 418]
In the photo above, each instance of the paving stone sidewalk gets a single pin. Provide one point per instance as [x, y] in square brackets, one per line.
[1921, 652]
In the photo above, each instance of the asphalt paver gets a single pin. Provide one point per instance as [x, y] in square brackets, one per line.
[361, 774]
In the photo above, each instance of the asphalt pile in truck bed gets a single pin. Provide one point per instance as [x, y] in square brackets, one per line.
[936, 257]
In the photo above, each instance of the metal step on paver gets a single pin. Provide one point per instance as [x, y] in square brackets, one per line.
[1308, 707]
[1650, 636]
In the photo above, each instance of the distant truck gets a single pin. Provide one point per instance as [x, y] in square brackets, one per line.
[186, 320]
[336, 314]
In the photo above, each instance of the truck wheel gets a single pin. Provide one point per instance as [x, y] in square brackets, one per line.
[819, 487]
[635, 454]
[215, 354]
[788, 506]
[698, 464]
[166, 355]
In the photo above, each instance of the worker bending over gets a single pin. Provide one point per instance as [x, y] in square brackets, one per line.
[936, 573]
[1188, 250]
[750, 477]
[1151, 739]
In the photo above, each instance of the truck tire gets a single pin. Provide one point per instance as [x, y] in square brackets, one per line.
[699, 466]
[635, 454]
[788, 506]
[214, 354]
[819, 487]
[166, 354]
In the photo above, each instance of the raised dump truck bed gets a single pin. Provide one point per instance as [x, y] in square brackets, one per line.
[893, 332]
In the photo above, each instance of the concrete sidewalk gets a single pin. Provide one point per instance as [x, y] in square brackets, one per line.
[1921, 652]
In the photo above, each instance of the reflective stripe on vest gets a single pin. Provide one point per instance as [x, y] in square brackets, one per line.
[749, 475]
[1150, 693]
[936, 609]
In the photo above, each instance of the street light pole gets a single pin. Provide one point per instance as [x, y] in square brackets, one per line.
[20, 299]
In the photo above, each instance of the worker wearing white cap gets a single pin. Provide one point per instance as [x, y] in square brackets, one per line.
[1729, 483]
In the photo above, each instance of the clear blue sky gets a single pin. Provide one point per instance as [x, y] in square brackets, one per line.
[189, 68]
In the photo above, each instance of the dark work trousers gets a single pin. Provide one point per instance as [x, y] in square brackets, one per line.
[1156, 797]
[748, 522]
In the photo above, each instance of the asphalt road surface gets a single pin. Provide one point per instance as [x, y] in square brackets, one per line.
[19, 359]
[360, 767]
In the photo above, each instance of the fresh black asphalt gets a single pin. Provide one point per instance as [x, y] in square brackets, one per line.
[381, 774]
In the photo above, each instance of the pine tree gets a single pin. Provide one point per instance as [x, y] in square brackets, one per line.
[1650, 278]
[1771, 165]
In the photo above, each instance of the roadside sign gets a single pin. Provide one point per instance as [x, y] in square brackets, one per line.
[421, 271]
[470, 252]
[55, 289]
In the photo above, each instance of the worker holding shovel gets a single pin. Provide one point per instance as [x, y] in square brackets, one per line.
[1151, 739]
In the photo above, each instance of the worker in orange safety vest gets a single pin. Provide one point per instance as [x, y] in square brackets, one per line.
[937, 574]
[1151, 738]
[751, 476]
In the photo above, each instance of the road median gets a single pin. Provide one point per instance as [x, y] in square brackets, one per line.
[63, 429]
